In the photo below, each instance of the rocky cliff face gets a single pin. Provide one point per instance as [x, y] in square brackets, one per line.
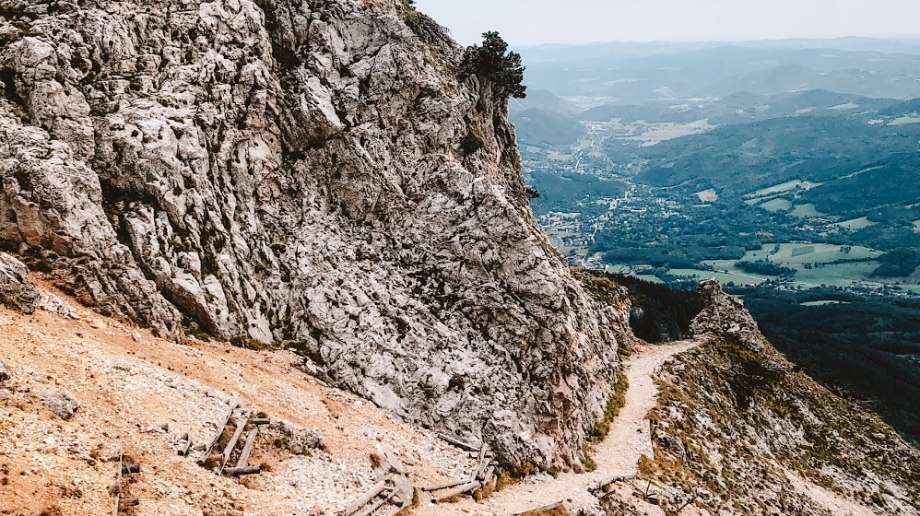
[291, 170]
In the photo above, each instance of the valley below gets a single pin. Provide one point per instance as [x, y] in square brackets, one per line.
[787, 196]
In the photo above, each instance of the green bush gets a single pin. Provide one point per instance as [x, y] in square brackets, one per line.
[494, 63]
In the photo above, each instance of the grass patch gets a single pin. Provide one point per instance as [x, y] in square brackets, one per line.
[614, 406]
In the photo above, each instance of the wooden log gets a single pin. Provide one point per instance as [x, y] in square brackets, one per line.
[262, 421]
[362, 500]
[450, 493]
[487, 477]
[121, 463]
[131, 469]
[484, 462]
[231, 445]
[540, 510]
[239, 472]
[447, 486]
[370, 509]
[247, 448]
[220, 432]
[458, 443]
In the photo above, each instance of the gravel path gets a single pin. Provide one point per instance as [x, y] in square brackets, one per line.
[617, 455]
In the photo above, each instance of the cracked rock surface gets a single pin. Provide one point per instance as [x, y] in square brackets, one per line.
[291, 170]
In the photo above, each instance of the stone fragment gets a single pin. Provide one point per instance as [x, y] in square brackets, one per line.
[63, 405]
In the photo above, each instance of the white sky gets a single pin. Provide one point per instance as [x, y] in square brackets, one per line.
[535, 22]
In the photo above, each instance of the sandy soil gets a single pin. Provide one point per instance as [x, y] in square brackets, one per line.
[139, 394]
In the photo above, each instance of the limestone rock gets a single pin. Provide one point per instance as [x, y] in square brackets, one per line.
[291, 170]
[725, 316]
[63, 405]
[15, 288]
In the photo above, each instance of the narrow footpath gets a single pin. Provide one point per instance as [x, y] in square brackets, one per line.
[617, 456]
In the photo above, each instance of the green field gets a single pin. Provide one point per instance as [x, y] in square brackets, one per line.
[795, 255]
[782, 188]
[721, 277]
[824, 303]
[777, 205]
[805, 211]
[856, 224]
[837, 275]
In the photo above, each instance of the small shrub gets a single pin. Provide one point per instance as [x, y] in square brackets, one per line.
[249, 343]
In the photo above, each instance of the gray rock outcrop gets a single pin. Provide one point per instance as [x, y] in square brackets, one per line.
[725, 316]
[16, 290]
[293, 170]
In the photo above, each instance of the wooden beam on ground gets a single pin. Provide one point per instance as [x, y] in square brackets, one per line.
[121, 463]
[447, 486]
[386, 496]
[458, 443]
[220, 432]
[487, 477]
[262, 421]
[239, 472]
[231, 445]
[362, 500]
[459, 490]
[247, 448]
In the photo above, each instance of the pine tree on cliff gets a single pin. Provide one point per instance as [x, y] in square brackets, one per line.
[493, 62]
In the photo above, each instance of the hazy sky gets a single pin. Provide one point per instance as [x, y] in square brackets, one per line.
[534, 22]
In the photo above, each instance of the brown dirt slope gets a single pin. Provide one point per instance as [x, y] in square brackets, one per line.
[139, 394]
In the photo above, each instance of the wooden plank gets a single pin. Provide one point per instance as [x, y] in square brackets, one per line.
[487, 477]
[450, 493]
[121, 463]
[370, 509]
[447, 486]
[458, 443]
[247, 448]
[228, 450]
[362, 500]
[239, 472]
[262, 421]
[220, 432]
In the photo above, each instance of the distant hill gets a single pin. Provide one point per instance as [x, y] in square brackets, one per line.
[543, 100]
[742, 107]
[543, 127]
[627, 75]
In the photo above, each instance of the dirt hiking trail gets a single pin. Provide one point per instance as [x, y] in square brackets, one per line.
[616, 456]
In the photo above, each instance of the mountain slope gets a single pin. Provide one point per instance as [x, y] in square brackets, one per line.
[291, 170]
[738, 429]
